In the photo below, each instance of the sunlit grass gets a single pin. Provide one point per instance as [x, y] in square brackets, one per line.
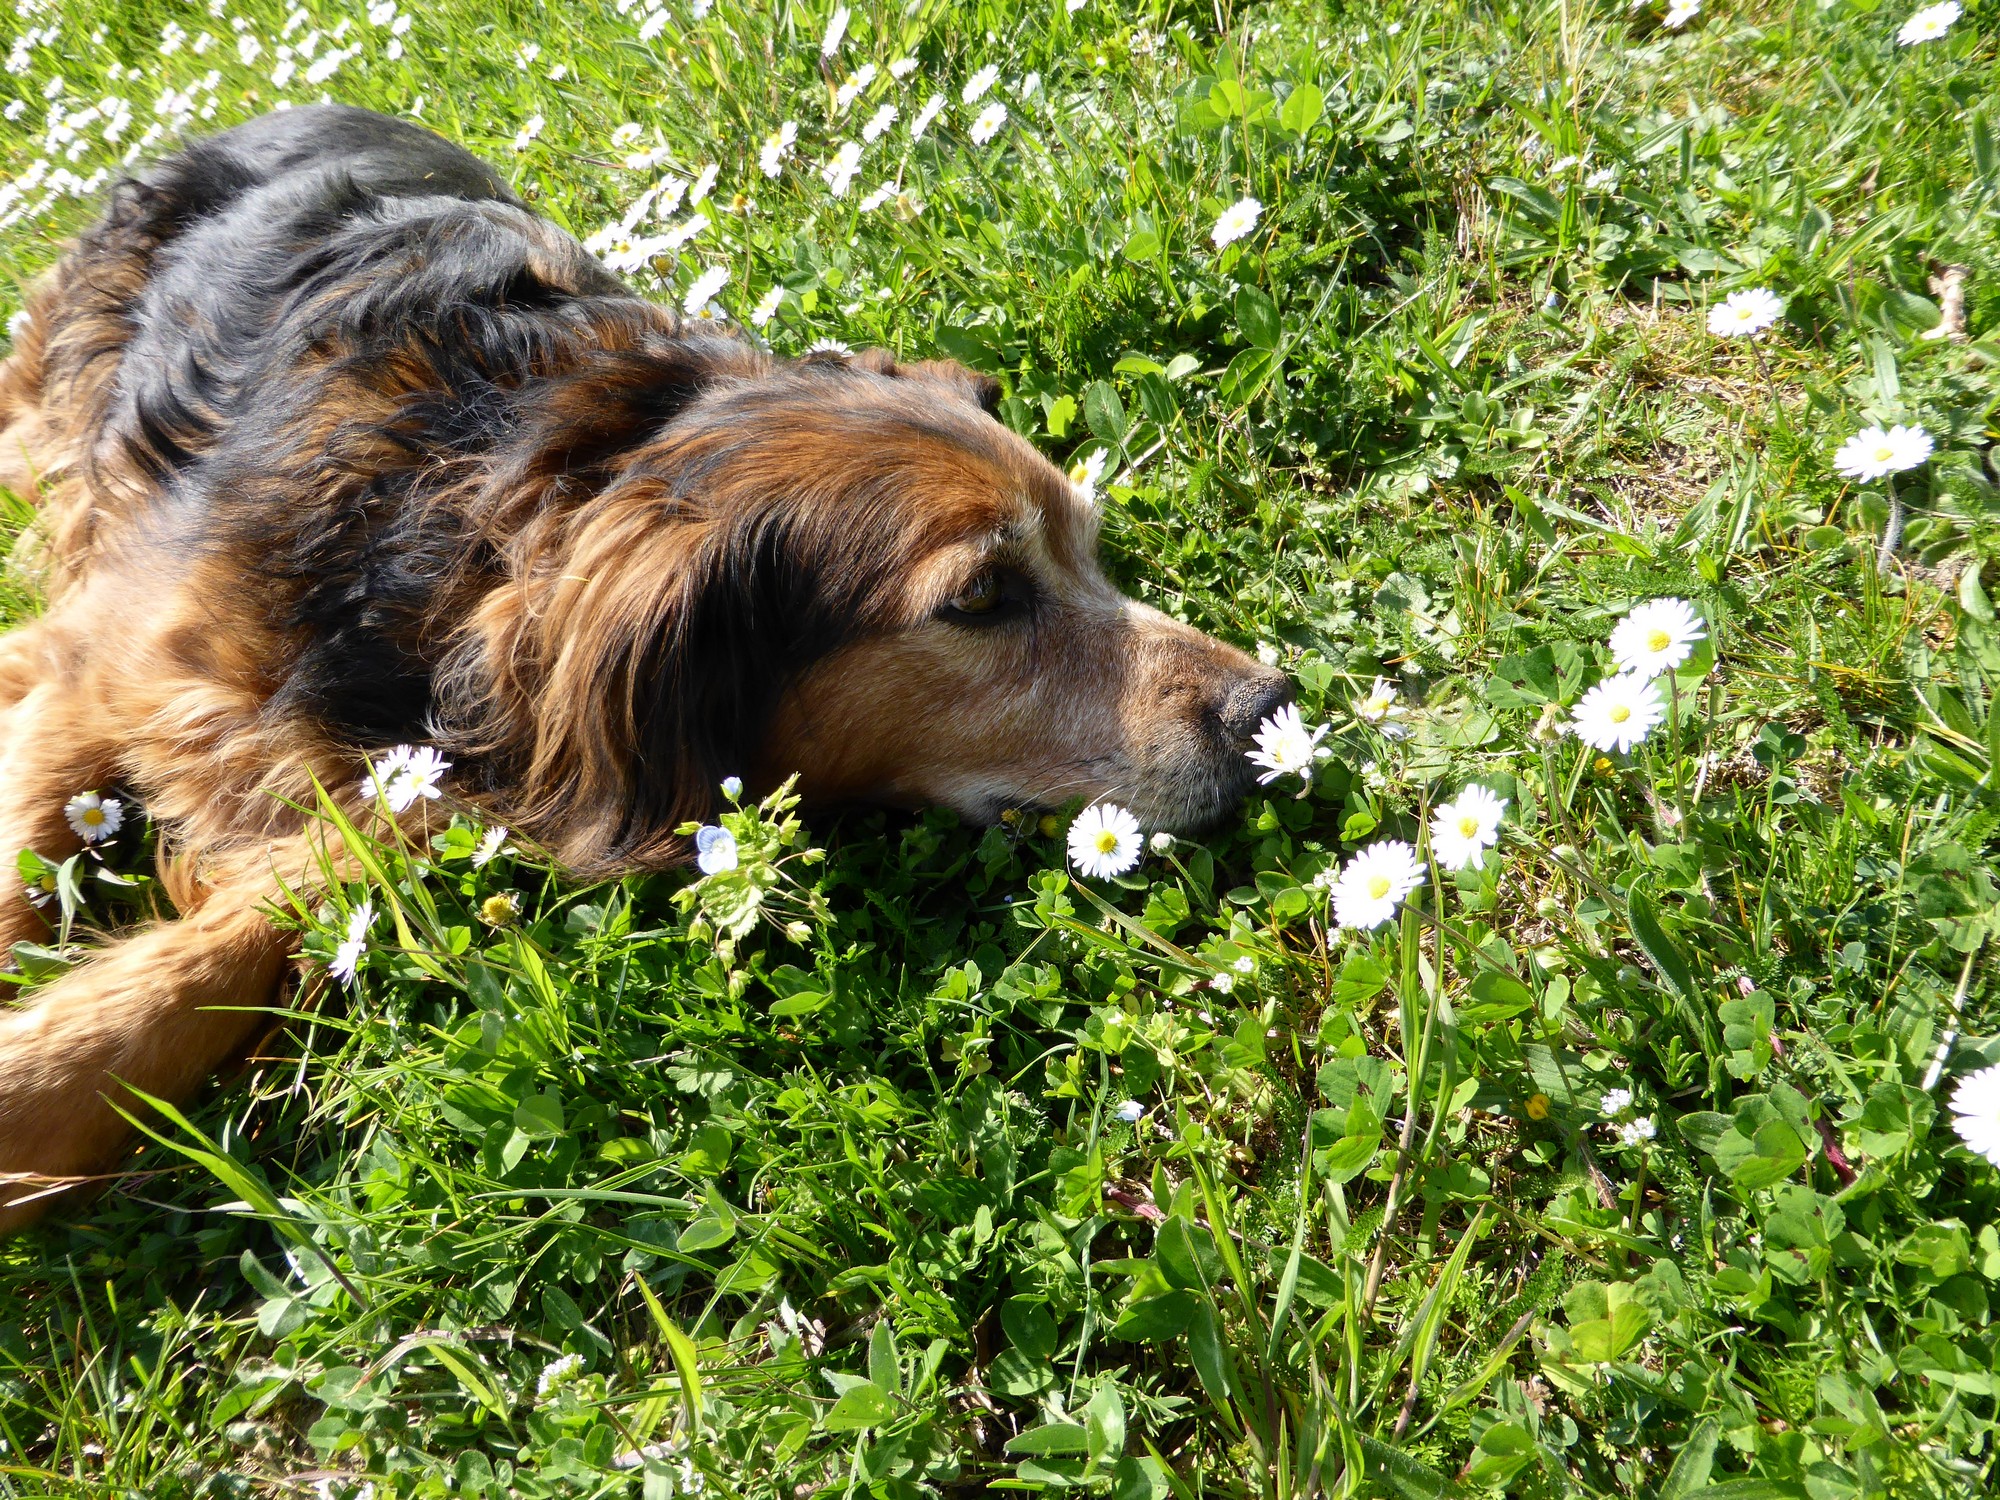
[1619, 1162]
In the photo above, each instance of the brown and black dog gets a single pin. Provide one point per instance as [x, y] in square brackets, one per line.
[337, 446]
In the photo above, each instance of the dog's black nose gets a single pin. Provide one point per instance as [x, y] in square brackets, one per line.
[1252, 699]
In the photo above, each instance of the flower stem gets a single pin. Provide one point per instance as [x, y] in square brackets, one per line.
[1892, 530]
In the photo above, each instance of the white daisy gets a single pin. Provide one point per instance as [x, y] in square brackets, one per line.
[836, 28]
[346, 959]
[418, 779]
[1463, 829]
[1104, 840]
[715, 850]
[839, 172]
[1161, 842]
[1656, 637]
[777, 146]
[876, 199]
[1618, 713]
[988, 124]
[1875, 451]
[1284, 745]
[525, 136]
[1236, 221]
[977, 85]
[878, 122]
[767, 307]
[489, 846]
[1378, 706]
[856, 81]
[1085, 473]
[1745, 312]
[902, 68]
[1975, 1112]
[1130, 1111]
[1929, 24]
[1680, 13]
[1374, 883]
[704, 182]
[702, 290]
[93, 818]
[829, 346]
[925, 115]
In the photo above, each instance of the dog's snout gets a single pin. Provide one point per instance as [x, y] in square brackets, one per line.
[1251, 700]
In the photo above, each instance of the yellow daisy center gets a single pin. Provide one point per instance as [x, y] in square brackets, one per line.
[1883, 453]
[93, 816]
[1378, 887]
[1107, 841]
[1619, 713]
[1659, 640]
[1467, 826]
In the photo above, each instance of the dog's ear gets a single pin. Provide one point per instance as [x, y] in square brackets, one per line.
[983, 391]
[614, 694]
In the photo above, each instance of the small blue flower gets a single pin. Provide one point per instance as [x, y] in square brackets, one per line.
[732, 787]
[1130, 1111]
[715, 850]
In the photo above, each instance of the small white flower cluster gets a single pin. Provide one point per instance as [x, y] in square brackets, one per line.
[1656, 637]
[557, 1372]
[1633, 1132]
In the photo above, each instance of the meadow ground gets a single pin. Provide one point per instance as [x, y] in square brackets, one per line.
[1620, 1164]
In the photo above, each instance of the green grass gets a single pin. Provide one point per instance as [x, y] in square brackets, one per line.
[849, 1209]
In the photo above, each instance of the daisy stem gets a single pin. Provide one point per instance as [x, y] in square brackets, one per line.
[1892, 529]
[1770, 385]
[1674, 729]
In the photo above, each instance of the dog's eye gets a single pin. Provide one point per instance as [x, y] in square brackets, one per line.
[982, 599]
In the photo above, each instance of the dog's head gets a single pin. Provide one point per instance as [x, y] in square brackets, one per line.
[848, 569]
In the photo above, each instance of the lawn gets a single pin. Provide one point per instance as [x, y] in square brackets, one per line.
[1410, 347]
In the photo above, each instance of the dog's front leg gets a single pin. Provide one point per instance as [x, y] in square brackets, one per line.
[159, 1011]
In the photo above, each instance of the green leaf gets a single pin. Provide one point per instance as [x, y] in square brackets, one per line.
[1690, 1471]
[1257, 318]
[1658, 947]
[883, 1367]
[1104, 413]
[1156, 1319]
[1029, 1326]
[1496, 996]
[861, 1406]
[1302, 109]
[1050, 1438]
[1104, 1421]
[1247, 375]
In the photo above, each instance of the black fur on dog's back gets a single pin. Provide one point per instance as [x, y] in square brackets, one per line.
[334, 362]
[333, 299]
